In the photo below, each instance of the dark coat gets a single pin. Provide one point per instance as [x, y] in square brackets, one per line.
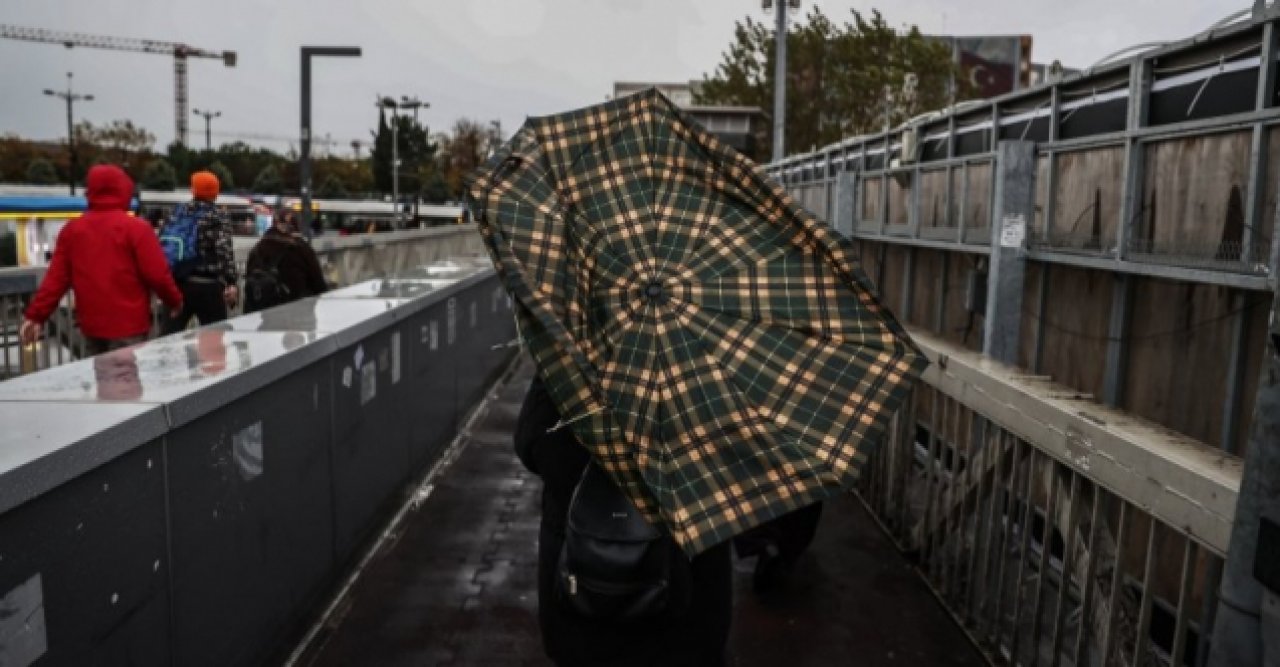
[299, 268]
[571, 640]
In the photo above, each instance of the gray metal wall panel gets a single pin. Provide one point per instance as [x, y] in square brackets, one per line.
[251, 520]
[84, 571]
[371, 457]
[432, 377]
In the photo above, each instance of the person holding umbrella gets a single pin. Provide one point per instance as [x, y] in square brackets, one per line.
[704, 345]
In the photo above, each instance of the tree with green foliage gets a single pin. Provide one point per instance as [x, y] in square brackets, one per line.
[466, 149]
[16, 155]
[415, 149]
[354, 175]
[119, 142]
[434, 186]
[159, 175]
[842, 80]
[332, 188]
[182, 159]
[225, 180]
[268, 181]
[41, 172]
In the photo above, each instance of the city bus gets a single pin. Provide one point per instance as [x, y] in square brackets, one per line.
[352, 216]
[29, 226]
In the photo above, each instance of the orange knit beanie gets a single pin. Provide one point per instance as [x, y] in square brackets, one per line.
[204, 185]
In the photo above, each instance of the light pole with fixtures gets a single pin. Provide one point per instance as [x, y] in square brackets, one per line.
[70, 98]
[208, 117]
[405, 102]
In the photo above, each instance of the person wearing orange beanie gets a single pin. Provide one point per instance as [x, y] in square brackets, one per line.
[210, 285]
[205, 186]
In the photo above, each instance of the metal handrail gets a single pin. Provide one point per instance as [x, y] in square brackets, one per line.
[1054, 529]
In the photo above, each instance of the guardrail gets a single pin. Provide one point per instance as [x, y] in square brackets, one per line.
[346, 260]
[194, 500]
[1056, 530]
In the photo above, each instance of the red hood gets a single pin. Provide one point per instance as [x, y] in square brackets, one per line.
[107, 187]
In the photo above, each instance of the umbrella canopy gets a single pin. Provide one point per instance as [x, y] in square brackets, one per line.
[714, 346]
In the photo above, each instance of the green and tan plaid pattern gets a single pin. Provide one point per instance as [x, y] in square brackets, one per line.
[714, 346]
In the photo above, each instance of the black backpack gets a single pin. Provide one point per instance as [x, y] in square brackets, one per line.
[614, 565]
[263, 287]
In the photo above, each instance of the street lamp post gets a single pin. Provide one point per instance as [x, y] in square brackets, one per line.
[208, 117]
[780, 75]
[405, 102]
[70, 98]
[414, 103]
[304, 160]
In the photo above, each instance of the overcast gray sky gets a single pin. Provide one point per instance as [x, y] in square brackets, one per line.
[484, 59]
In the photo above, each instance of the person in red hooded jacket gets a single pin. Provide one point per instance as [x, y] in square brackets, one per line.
[113, 262]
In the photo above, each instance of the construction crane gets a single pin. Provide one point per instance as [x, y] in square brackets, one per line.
[180, 53]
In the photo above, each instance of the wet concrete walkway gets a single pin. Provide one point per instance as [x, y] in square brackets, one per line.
[457, 585]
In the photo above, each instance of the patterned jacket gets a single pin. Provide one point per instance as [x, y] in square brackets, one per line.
[217, 254]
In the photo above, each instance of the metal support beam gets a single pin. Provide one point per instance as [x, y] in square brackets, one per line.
[1131, 188]
[1042, 299]
[1117, 361]
[884, 186]
[828, 190]
[846, 204]
[1014, 206]
[1235, 370]
[1240, 627]
[908, 284]
[913, 214]
[1051, 170]
[180, 97]
[1258, 148]
[940, 316]
[884, 253]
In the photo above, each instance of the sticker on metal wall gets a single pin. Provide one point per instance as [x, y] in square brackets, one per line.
[395, 357]
[384, 360]
[346, 377]
[1013, 231]
[426, 333]
[368, 382]
[358, 358]
[246, 450]
[452, 323]
[435, 335]
[22, 630]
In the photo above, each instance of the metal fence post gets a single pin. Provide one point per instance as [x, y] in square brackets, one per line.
[1014, 207]
[1238, 632]
[846, 208]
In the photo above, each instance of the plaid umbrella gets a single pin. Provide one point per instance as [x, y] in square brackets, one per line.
[714, 346]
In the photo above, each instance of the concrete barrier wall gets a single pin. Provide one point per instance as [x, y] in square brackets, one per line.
[193, 500]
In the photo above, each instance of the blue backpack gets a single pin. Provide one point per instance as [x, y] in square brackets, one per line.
[180, 241]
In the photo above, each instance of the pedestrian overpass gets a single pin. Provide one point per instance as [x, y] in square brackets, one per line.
[1090, 265]
[332, 482]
